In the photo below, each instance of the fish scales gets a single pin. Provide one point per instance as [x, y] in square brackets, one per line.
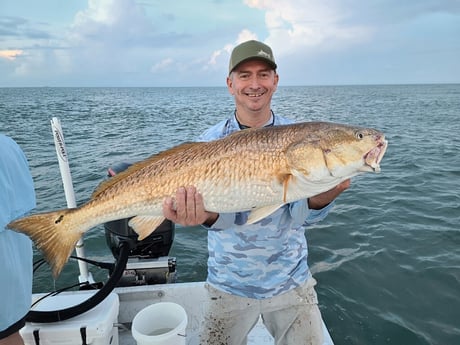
[210, 167]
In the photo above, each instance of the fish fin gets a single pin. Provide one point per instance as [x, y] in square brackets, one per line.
[261, 213]
[136, 167]
[145, 225]
[284, 180]
[52, 234]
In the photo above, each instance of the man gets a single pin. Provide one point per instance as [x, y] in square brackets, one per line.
[17, 197]
[257, 269]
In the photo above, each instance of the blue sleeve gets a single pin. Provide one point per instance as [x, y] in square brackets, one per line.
[17, 195]
[225, 221]
[302, 214]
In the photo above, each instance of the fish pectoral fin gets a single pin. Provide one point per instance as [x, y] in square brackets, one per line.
[145, 225]
[261, 213]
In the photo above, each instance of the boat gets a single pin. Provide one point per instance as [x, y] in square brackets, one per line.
[143, 275]
[191, 296]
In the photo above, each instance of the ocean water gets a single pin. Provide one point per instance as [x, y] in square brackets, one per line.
[387, 258]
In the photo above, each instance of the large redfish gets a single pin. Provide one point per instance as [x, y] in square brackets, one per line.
[255, 170]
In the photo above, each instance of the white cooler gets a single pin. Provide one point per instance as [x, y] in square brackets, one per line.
[98, 323]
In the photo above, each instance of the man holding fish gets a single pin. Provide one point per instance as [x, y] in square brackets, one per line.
[259, 268]
[255, 181]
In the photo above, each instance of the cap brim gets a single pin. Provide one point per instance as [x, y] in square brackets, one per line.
[267, 61]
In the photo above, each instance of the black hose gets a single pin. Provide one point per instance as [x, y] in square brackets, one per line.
[98, 297]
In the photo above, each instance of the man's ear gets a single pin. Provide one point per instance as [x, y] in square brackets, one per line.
[230, 84]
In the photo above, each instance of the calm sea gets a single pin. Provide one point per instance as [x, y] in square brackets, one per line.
[387, 259]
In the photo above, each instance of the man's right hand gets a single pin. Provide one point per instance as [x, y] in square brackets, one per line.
[187, 208]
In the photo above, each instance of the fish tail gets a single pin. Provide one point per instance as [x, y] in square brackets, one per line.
[53, 233]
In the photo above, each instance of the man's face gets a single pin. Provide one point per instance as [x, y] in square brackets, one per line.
[253, 84]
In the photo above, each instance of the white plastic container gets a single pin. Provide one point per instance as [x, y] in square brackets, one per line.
[161, 323]
[99, 322]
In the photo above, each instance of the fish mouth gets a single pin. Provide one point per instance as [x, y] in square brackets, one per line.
[373, 158]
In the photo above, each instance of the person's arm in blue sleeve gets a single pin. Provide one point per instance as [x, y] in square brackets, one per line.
[223, 221]
[304, 215]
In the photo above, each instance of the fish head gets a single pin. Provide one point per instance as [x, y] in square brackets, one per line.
[350, 150]
[338, 151]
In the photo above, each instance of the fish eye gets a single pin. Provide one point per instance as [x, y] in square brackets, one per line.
[359, 135]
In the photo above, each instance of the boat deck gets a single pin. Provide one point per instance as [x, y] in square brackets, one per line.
[192, 297]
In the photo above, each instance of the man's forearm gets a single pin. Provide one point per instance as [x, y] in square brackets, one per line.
[319, 201]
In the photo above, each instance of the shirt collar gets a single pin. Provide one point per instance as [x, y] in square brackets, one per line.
[269, 123]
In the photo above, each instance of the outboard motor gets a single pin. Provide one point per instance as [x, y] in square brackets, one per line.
[148, 261]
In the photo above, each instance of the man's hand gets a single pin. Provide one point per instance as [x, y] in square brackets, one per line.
[319, 201]
[188, 208]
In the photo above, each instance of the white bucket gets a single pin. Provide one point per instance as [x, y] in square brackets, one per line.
[160, 324]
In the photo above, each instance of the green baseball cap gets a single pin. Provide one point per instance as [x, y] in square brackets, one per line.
[251, 50]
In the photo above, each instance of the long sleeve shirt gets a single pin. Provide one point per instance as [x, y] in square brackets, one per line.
[263, 259]
[17, 197]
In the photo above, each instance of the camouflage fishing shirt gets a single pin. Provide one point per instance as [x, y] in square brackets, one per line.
[264, 259]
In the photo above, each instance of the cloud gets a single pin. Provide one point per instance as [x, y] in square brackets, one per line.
[21, 28]
[128, 37]
[245, 35]
[10, 54]
[132, 42]
[315, 25]
[110, 22]
[162, 65]
[221, 56]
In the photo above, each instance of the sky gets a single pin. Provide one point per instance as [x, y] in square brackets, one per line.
[188, 42]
